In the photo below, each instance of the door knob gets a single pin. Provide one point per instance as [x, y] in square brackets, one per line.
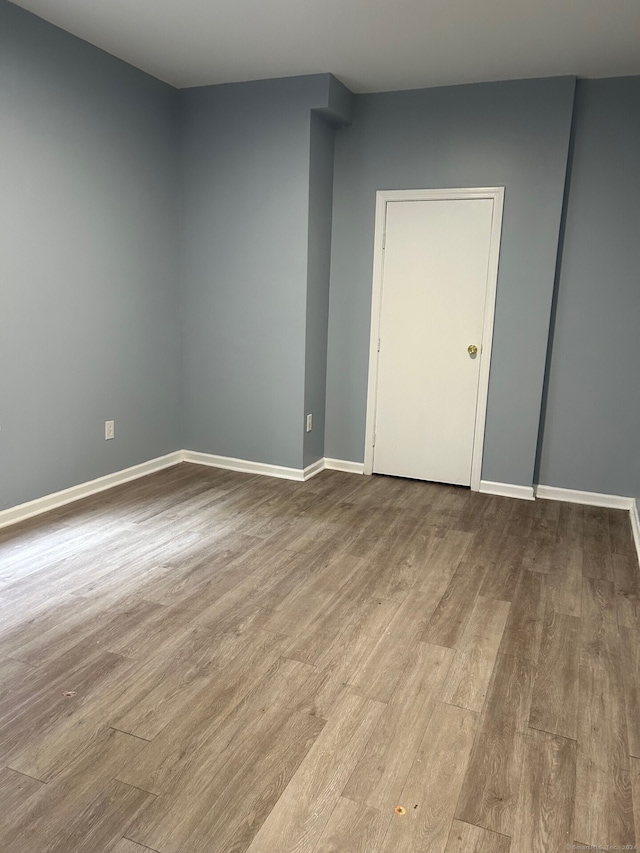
[472, 349]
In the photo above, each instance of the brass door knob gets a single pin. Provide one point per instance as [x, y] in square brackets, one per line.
[472, 349]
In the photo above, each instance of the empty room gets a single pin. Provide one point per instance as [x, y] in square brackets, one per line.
[319, 445]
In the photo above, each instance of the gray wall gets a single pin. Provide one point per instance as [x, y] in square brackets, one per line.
[88, 293]
[318, 270]
[246, 208]
[590, 439]
[512, 134]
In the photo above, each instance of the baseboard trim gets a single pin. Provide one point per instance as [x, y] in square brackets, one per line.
[313, 469]
[24, 511]
[230, 463]
[507, 490]
[247, 467]
[635, 525]
[344, 465]
[573, 496]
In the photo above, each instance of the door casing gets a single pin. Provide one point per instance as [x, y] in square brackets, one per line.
[382, 197]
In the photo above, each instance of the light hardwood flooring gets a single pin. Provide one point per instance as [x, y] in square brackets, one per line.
[211, 662]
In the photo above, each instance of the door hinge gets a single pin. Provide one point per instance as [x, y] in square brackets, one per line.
[384, 239]
[378, 344]
[374, 439]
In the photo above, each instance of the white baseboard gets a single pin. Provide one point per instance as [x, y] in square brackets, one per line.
[21, 512]
[313, 469]
[229, 463]
[573, 496]
[344, 465]
[507, 490]
[635, 526]
[300, 474]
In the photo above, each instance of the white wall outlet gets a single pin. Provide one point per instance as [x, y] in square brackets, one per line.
[109, 430]
[309, 423]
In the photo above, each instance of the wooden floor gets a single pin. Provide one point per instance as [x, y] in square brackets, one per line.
[211, 662]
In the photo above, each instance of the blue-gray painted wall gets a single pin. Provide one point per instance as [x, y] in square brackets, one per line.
[251, 185]
[88, 275]
[245, 167]
[512, 134]
[318, 272]
[591, 427]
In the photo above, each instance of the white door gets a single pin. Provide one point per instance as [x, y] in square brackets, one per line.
[434, 287]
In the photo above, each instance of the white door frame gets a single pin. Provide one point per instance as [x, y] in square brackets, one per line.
[382, 197]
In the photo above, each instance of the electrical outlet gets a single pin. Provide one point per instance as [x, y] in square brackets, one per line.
[109, 430]
[309, 423]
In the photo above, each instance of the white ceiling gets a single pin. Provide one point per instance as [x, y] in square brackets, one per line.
[370, 45]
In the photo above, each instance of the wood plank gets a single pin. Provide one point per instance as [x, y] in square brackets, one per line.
[539, 554]
[503, 557]
[13, 673]
[599, 623]
[465, 838]
[56, 805]
[597, 544]
[242, 787]
[634, 764]
[16, 789]
[369, 618]
[46, 614]
[97, 632]
[379, 675]
[343, 658]
[626, 583]
[603, 802]
[353, 827]
[621, 533]
[153, 696]
[563, 584]
[454, 608]
[490, 511]
[44, 707]
[316, 643]
[294, 618]
[235, 743]
[277, 575]
[630, 668]
[491, 789]
[431, 791]
[523, 631]
[214, 718]
[381, 772]
[300, 815]
[546, 519]
[571, 524]
[400, 564]
[473, 665]
[310, 596]
[103, 821]
[219, 556]
[136, 701]
[127, 846]
[554, 702]
[371, 523]
[544, 819]
[520, 518]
